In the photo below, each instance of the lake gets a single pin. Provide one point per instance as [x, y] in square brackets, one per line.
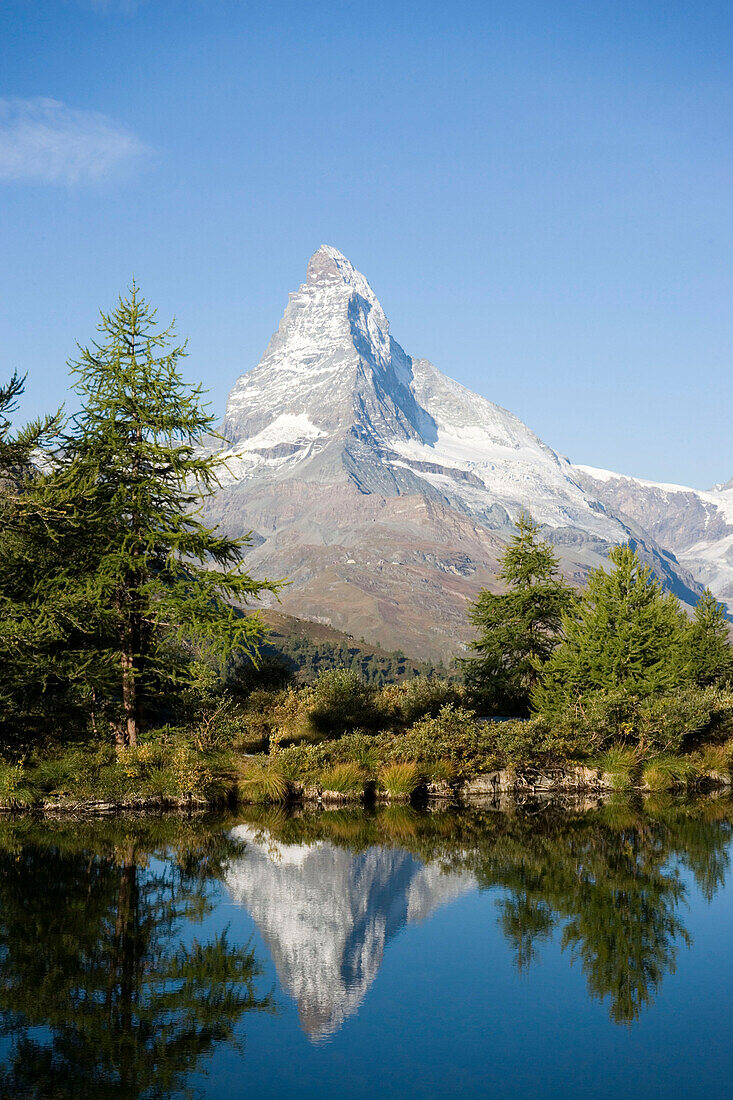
[543, 952]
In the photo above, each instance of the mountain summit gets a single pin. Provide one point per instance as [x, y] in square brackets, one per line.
[385, 490]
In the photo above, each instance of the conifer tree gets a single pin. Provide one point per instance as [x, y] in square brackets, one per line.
[17, 448]
[626, 636]
[28, 626]
[517, 630]
[708, 650]
[12, 450]
[129, 567]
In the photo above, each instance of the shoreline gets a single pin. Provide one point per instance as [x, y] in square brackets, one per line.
[504, 787]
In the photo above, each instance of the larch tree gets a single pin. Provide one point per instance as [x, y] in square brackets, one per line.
[133, 473]
[627, 635]
[708, 650]
[517, 630]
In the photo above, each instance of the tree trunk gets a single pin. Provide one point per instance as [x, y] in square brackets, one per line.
[127, 732]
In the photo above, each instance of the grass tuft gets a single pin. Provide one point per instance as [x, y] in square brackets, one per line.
[666, 772]
[621, 765]
[400, 780]
[343, 778]
[263, 782]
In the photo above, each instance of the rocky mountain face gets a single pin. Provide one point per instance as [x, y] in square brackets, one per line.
[326, 915]
[696, 526]
[385, 491]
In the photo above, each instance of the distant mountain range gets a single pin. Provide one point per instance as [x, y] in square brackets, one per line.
[385, 491]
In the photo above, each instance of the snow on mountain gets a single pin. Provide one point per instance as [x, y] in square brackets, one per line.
[696, 525]
[327, 914]
[332, 371]
[369, 477]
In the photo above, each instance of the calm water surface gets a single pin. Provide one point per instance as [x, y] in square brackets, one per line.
[535, 954]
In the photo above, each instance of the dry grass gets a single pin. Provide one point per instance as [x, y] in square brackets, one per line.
[400, 780]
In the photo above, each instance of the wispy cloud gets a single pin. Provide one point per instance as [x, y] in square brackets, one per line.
[46, 141]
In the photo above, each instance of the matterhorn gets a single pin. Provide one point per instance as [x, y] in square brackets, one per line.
[384, 491]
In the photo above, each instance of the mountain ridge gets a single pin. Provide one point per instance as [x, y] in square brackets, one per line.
[384, 490]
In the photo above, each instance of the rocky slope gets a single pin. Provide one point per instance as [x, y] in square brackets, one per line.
[385, 491]
[697, 526]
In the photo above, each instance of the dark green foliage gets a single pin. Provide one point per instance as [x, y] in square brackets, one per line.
[670, 722]
[16, 448]
[103, 993]
[112, 574]
[708, 654]
[625, 636]
[517, 630]
[341, 702]
[570, 875]
[38, 686]
[454, 735]
[272, 672]
[306, 659]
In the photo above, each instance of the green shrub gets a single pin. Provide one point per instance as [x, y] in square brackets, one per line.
[258, 719]
[291, 719]
[537, 740]
[659, 724]
[78, 771]
[411, 700]
[221, 726]
[342, 702]
[16, 791]
[453, 735]
[306, 762]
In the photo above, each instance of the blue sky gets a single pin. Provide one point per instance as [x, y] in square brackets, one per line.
[539, 193]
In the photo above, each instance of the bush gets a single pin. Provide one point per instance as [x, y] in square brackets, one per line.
[341, 702]
[537, 741]
[291, 716]
[453, 735]
[306, 763]
[84, 770]
[16, 792]
[274, 672]
[411, 700]
[661, 724]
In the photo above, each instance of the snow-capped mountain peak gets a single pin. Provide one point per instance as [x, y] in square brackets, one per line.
[385, 420]
[337, 424]
[329, 267]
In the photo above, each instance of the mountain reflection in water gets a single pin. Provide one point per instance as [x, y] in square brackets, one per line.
[329, 891]
[326, 914]
[110, 988]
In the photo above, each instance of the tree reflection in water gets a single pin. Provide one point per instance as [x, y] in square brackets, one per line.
[609, 881]
[104, 992]
[100, 995]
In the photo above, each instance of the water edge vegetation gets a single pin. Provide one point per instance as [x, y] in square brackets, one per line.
[131, 676]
